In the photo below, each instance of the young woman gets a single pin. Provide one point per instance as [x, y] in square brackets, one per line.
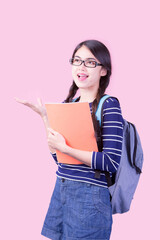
[80, 206]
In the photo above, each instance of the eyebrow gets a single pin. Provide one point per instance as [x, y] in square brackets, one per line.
[87, 58]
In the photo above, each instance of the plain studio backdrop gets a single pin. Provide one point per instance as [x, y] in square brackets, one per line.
[37, 39]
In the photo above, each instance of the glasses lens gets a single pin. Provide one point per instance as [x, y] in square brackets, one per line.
[90, 63]
[76, 61]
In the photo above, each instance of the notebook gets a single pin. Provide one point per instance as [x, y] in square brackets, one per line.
[74, 122]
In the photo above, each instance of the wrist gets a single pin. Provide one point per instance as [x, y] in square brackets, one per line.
[45, 121]
[66, 149]
[44, 117]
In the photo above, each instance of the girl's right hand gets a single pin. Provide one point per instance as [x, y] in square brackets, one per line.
[38, 108]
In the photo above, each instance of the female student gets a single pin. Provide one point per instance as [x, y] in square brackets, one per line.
[80, 206]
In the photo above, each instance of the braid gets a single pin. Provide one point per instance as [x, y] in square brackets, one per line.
[101, 90]
[72, 92]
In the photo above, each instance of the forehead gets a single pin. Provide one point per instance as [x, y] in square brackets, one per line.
[84, 53]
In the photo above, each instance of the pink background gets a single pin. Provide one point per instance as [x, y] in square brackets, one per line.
[37, 39]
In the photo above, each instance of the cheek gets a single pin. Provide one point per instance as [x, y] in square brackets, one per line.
[73, 71]
[73, 75]
[96, 75]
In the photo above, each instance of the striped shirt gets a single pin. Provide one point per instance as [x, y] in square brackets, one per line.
[109, 158]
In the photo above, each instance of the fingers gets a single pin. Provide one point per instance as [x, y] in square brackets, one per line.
[39, 101]
[38, 108]
[53, 132]
[27, 103]
[19, 100]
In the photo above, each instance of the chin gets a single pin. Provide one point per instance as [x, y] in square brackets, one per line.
[81, 84]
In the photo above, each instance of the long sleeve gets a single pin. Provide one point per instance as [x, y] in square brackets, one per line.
[112, 136]
[54, 157]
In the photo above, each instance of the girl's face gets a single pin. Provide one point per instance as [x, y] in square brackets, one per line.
[85, 77]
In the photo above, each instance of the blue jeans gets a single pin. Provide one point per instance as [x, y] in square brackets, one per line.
[77, 211]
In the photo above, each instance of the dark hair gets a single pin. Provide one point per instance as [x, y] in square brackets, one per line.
[100, 51]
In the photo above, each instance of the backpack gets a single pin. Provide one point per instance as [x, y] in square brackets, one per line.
[129, 170]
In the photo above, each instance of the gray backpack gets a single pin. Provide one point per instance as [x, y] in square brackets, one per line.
[128, 173]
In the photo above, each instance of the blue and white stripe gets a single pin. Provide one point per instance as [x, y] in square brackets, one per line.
[109, 158]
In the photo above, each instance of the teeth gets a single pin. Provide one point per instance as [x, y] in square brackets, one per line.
[82, 75]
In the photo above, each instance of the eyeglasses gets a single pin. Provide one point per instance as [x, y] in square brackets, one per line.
[90, 63]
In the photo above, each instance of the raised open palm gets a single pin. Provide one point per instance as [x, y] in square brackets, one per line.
[38, 108]
[41, 110]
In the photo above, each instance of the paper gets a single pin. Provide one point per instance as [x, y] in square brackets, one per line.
[74, 122]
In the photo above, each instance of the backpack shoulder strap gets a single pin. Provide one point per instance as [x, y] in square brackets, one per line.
[99, 116]
[75, 99]
[99, 108]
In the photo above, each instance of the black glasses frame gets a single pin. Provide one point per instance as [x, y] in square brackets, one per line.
[83, 61]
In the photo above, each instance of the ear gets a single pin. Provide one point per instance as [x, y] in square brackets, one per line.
[103, 72]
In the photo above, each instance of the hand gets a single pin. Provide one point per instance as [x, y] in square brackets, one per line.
[56, 141]
[39, 107]
[41, 110]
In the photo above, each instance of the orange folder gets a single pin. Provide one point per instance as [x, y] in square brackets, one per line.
[74, 122]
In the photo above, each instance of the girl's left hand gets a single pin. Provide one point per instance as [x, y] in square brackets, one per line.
[56, 140]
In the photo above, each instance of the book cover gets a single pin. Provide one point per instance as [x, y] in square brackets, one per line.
[74, 122]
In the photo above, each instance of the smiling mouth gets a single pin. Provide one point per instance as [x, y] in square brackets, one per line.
[82, 77]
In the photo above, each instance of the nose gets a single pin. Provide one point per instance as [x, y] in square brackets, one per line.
[82, 66]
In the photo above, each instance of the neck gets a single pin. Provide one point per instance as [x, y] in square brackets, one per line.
[87, 96]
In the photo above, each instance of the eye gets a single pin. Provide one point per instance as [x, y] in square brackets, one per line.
[76, 60]
[90, 62]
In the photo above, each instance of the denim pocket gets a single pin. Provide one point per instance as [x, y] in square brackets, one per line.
[101, 199]
[82, 204]
[88, 213]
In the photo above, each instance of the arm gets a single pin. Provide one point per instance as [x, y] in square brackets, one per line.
[83, 156]
[57, 141]
[41, 110]
[46, 124]
[112, 136]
